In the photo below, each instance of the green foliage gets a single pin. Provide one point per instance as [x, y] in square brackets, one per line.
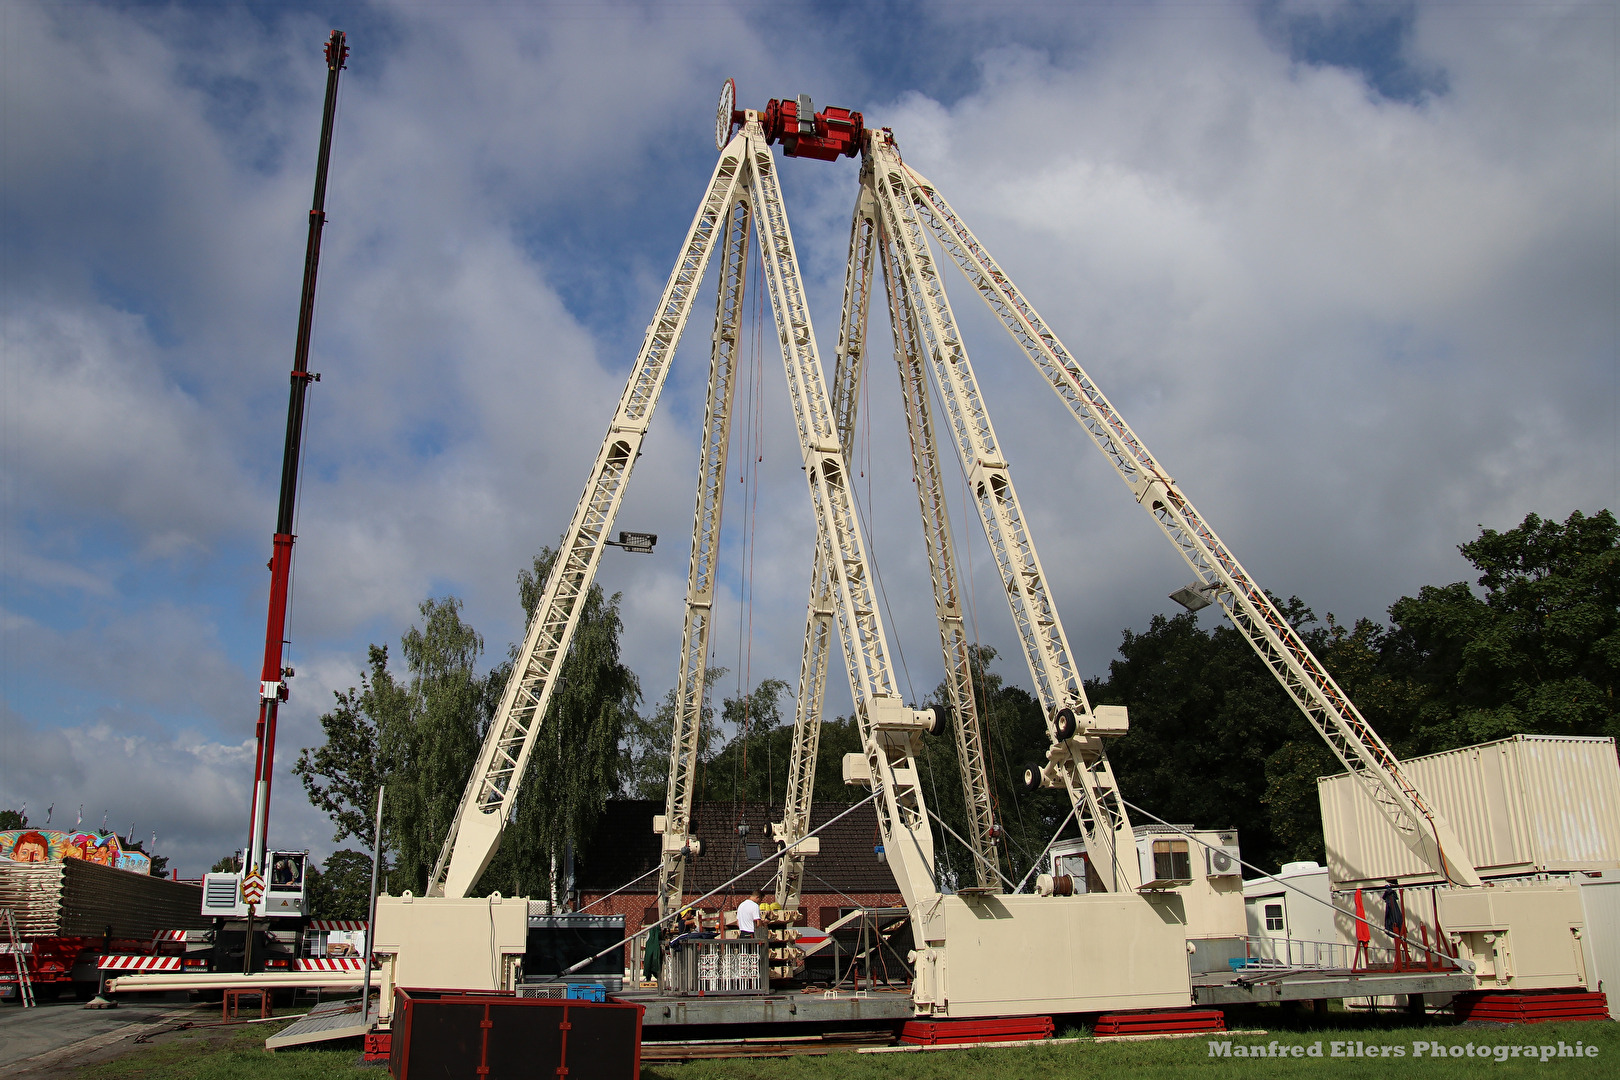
[1207, 719]
[753, 764]
[422, 736]
[228, 864]
[430, 757]
[644, 751]
[1214, 741]
[341, 775]
[1014, 734]
[341, 889]
[574, 767]
[13, 819]
[1539, 653]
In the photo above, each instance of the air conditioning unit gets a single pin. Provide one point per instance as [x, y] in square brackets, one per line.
[1223, 861]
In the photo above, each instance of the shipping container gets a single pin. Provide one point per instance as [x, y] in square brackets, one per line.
[1524, 805]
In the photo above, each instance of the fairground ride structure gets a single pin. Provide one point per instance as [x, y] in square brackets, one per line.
[979, 951]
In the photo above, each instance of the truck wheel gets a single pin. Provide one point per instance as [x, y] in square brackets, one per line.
[84, 991]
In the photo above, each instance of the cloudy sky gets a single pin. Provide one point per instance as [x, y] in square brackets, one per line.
[1348, 269]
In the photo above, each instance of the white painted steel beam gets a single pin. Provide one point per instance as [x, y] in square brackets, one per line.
[1335, 717]
[910, 354]
[848, 371]
[1080, 760]
[489, 800]
[691, 684]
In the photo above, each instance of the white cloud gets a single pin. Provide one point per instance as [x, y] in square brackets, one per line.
[1354, 328]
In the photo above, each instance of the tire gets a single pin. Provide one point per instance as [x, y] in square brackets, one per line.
[1032, 778]
[1065, 724]
[84, 991]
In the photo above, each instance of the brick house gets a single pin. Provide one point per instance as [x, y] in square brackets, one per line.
[846, 874]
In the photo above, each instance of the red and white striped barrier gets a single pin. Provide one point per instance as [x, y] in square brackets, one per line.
[169, 935]
[337, 963]
[140, 963]
[337, 924]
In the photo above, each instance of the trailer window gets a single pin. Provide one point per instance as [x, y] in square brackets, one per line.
[1274, 917]
[1171, 860]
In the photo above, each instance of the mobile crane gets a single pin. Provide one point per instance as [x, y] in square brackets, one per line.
[979, 952]
[271, 884]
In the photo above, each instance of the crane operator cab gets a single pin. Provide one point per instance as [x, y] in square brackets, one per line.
[283, 891]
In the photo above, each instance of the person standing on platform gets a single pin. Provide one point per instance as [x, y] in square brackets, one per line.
[748, 920]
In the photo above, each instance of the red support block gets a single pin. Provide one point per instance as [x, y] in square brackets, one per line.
[379, 1044]
[999, 1029]
[1532, 1007]
[1160, 1022]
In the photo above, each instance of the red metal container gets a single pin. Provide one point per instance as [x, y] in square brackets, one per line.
[501, 1036]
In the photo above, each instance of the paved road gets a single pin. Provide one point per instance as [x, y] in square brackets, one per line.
[53, 1025]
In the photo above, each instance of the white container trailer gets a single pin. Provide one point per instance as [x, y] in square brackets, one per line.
[1529, 804]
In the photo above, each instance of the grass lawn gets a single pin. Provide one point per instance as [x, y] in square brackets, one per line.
[238, 1054]
[1182, 1058]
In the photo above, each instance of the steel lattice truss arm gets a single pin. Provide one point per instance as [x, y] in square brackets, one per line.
[488, 801]
[848, 371]
[1077, 756]
[1301, 674]
[911, 356]
[890, 731]
[700, 582]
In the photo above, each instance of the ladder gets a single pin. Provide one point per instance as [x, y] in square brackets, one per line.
[14, 949]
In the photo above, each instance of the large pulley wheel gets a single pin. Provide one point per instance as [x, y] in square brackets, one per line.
[722, 115]
[1065, 724]
[1032, 778]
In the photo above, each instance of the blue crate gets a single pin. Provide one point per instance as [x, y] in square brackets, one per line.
[587, 992]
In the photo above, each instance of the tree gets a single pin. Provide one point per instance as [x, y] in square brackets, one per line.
[574, 766]
[341, 889]
[430, 758]
[342, 775]
[422, 737]
[644, 750]
[752, 766]
[1214, 740]
[228, 864]
[1538, 653]
[13, 819]
[1013, 732]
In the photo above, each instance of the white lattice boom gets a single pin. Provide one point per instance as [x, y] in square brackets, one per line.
[896, 210]
[1301, 674]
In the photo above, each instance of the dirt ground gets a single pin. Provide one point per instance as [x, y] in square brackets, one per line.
[60, 1029]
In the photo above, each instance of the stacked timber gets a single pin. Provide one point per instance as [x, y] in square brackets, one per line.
[75, 898]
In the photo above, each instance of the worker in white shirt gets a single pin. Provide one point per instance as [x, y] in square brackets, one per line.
[748, 921]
